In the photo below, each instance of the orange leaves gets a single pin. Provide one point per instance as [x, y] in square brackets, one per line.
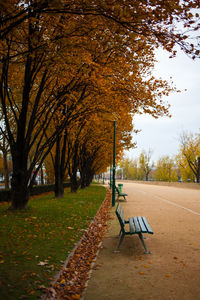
[76, 64]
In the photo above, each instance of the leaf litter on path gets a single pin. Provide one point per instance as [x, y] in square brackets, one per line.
[74, 275]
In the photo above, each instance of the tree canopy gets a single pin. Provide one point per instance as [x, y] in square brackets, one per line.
[62, 62]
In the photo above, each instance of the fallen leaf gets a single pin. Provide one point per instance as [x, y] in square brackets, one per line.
[23, 297]
[167, 275]
[70, 227]
[31, 293]
[41, 287]
[52, 291]
[62, 281]
[150, 262]
[42, 263]
[76, 296]
[146, 266]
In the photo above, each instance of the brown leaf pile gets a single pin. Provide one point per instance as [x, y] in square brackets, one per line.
[74, 276]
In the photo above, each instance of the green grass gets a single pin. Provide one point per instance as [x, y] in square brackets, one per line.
[34, 243]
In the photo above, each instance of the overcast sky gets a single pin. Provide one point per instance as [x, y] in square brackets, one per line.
[162, 135]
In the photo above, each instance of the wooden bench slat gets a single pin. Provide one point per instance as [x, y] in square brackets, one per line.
[142, 225]
[147, 225]
[137, 226]
[132, 225]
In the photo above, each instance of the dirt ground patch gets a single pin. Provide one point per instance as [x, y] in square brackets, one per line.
[172, 271]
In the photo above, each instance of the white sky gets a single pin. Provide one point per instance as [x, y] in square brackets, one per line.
[162, 135]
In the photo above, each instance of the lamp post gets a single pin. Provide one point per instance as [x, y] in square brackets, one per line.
[114, 149]
[110, 175]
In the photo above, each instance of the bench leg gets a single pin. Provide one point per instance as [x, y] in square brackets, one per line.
[120, 241]
[143, 243]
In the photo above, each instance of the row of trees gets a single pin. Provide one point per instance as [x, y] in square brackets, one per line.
[66, 67]
[185, 166]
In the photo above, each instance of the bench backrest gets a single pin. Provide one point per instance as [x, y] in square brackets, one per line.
[120, 215]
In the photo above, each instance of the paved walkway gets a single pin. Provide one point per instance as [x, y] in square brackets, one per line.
[172, 271]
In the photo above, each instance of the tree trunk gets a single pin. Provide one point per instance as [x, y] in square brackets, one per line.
[74, 183]
[20, 182]
[20, 192]
[86, 176]
[42, 176]
[198, 169]
[6, 172]
[59, 188]
[83, 180]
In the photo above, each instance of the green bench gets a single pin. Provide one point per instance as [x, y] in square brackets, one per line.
[120, 194]
[137, 225]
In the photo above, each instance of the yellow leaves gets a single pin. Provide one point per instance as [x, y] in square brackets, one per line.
[187, 159]
[30, 219]
[62, 281]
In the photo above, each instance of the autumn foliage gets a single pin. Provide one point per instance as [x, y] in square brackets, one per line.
[65, 65]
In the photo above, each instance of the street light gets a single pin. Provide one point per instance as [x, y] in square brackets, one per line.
[110, 174]
[114, 150]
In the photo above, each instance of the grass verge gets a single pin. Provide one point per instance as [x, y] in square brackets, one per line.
[35, 242]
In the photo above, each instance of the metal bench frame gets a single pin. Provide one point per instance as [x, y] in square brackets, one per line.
[120, 194]
[137, 225]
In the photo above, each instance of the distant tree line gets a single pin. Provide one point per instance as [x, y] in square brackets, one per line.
[185, 166]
